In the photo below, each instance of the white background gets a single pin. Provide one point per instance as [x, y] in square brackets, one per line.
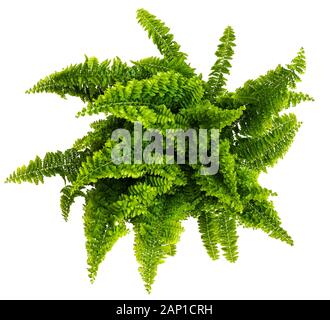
[42, 257]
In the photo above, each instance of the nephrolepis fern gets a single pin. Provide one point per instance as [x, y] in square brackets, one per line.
[254, 131]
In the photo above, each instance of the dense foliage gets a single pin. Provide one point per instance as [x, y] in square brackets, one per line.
[165, 92]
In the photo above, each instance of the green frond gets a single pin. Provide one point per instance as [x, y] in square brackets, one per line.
[140, 196]
[217, 78]
[101, 132]
[295, 98]
[100, 166]
[102, 228]
[209, 228]
[264, 151]
[65, 164]
[167, 88]
[298, 64]
[142, 114]
[160, 35]
[228, 167]
[154, 65]
[156, 117]
[266, 96]
[215, 187]
[166, 119]
[262, 215]
[156, 236]
[86, 80]
[207, 115]
[228, 236]
[183, 202]
[130, 206]
[249, 187]
[67, 199]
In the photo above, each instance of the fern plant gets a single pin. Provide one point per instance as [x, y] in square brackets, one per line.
[154, 198]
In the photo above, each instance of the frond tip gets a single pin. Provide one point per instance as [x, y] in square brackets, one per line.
[84, 80]
[262, 215]
[160, 35]
[208, 228]
[264, 151]
[228, 236]
[64, 164]
[102, 230]
[67, 200]
[221, 68]
[156, 235]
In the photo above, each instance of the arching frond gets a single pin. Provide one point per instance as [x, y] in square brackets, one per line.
[67, 199]
[102, 228]
[262, 215]
[209, 228]
[160, 35]
[228, 236]
[217, 78]
[264, 151]
[153, 65]
[156, 236]
[86, 80]
[168, 88]
[65, 164]
[207, 115]
[266, 96]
